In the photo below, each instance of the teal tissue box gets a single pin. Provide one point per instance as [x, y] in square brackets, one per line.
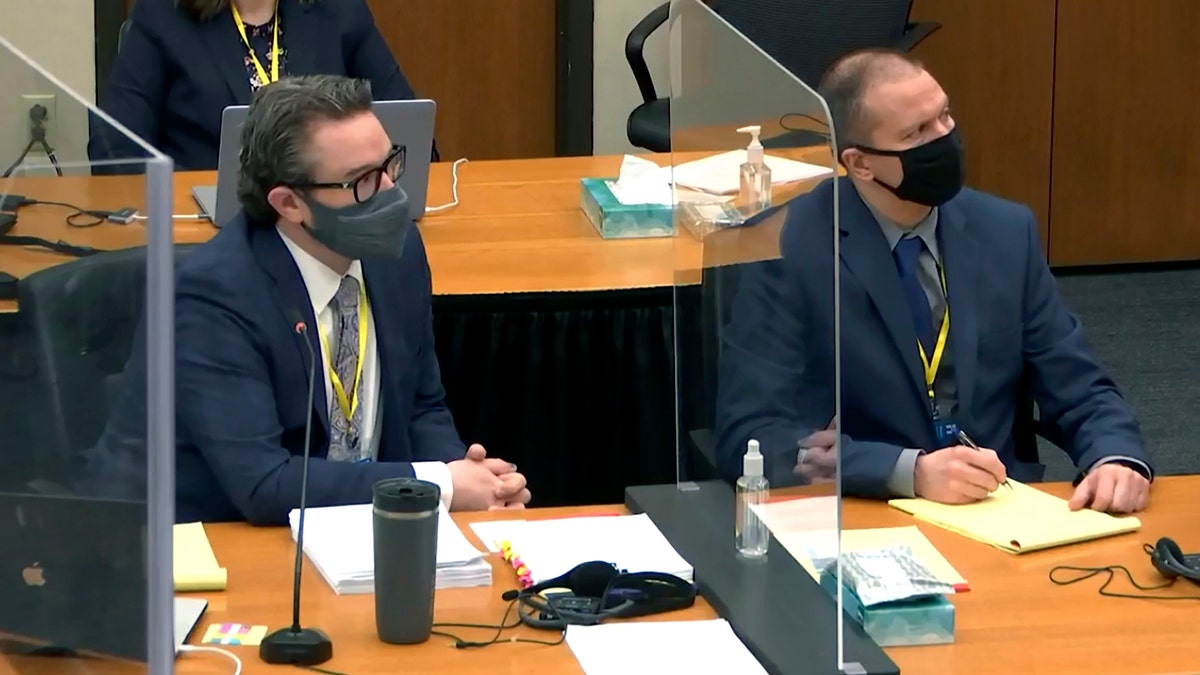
[614, 220]
[923, 621]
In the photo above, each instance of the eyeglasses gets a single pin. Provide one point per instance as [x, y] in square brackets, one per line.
[366, 185]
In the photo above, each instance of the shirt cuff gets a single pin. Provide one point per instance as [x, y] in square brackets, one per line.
[902, 481]
[1131, 462]
[439, 473]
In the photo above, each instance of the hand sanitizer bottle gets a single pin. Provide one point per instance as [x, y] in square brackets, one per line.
[751, 532]
[755, 194]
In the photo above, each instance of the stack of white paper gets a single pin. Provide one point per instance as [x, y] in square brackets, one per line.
[661, 647]
[550, 548]
[339, 541]
[721, 174]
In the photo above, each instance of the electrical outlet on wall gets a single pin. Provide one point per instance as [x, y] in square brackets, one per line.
[31, 119]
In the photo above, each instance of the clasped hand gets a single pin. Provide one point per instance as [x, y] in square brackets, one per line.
[483, 483]
[816, 459]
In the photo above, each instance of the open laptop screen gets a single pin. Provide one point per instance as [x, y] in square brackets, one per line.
[408, 123]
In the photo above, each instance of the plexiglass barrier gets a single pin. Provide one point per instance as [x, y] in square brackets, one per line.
[756, 297]
[87, 494]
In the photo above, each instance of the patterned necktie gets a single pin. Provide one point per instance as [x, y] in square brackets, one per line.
[344, 441]
[907, 254]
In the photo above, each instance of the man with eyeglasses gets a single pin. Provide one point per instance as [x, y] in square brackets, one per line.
[324, 250]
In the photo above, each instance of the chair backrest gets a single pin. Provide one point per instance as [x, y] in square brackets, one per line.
[807, 36]
[81, 318]
[121, 33]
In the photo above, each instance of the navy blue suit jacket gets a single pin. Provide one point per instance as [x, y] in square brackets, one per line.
[174, 76]
[242, 378]
[1006, 320]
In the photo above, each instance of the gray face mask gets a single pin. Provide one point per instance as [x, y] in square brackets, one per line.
[375, 228]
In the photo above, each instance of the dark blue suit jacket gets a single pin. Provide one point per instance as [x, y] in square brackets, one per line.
[1006, 319]
[242, 376]
[174, 76]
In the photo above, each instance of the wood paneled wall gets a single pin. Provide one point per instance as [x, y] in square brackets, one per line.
[489, 64]
[995, 59]
[1083, 109]
[1126, 180]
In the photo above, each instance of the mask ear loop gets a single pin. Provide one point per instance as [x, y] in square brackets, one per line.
[453, 189]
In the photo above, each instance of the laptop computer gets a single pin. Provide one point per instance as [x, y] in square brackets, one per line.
[408, 123]
[73, 576]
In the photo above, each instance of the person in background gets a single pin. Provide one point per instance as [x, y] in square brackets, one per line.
[181, 62]
[326, 252]
[949, 320]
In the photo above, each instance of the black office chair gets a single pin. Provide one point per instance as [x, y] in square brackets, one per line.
[804, 36]
[81, 317]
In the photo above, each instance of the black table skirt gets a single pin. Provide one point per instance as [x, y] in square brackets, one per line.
[577, 389]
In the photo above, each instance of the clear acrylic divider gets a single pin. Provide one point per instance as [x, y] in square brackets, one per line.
[87, 495]
[756, 296]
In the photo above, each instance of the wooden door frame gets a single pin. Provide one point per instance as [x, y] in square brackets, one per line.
[573, 97]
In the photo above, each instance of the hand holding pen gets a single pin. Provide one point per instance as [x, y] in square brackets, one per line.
[966, 440]
[960, 474]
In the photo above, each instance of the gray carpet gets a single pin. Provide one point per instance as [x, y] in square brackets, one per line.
[1145, 328]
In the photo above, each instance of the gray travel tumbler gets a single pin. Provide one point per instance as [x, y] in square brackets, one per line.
[405, 524]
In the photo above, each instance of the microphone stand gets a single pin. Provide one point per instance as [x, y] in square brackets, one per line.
[296, 645]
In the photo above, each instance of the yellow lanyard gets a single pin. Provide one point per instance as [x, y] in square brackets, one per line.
[262, 72]
[349, 404]
[931, 367]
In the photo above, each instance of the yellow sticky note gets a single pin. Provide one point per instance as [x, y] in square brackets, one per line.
[234, 634]
[195, 564]
[1020, 520]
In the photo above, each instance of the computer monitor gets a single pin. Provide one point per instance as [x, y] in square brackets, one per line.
[407, 123]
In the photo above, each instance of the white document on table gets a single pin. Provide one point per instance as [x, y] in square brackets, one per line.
[658, 647]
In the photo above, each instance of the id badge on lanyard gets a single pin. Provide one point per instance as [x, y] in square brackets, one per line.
[944, 430]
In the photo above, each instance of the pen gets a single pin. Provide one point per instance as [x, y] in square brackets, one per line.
[966, 440]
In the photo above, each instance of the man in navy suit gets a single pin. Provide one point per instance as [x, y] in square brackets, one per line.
[949, 317]
[325, 251]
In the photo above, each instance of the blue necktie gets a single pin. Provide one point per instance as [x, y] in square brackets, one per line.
[907, 253]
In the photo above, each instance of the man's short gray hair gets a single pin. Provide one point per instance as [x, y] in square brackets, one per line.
[278, 127]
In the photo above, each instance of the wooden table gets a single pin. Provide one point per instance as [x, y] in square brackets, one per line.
[518, 228]
[1013, 620]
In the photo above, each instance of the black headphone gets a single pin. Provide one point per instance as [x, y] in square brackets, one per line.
[599, 591]
[1170, 561]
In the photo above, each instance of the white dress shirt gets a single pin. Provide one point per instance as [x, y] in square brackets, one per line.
[322, 284]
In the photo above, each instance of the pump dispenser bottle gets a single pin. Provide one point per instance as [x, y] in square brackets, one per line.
[755, 194]
[750, 530]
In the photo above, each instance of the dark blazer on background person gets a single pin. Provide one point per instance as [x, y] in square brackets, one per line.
[174, 75]
[1006, 318]
[242, 379]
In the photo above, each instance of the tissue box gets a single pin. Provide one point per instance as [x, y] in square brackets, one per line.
[923, 621]
[614, 220]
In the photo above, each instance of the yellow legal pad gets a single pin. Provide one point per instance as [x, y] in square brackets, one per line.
[196, 567]
[1020, 520]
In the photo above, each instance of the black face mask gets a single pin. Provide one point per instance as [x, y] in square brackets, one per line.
[933, 171]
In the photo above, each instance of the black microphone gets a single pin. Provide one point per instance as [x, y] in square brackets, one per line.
[296, 645]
